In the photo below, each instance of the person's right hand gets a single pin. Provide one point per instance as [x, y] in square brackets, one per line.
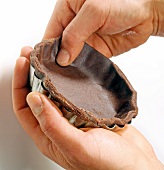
[111, 27]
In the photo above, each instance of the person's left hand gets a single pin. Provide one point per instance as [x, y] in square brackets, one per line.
[72, 148]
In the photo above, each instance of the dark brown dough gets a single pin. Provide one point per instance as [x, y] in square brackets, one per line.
[92, 89]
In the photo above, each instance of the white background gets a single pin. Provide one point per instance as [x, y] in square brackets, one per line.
[23, 23]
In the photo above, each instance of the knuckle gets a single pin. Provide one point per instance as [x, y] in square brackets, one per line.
[72, 43]
[70, 37]
[98, 10]
[47, 126]
[95, 6]
[45, 122]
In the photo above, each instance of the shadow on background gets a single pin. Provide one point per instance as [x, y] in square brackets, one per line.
[17, 151]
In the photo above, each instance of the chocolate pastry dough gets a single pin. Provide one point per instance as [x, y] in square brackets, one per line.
[91, 92]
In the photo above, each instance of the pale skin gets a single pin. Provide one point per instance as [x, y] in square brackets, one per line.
[92, 148]
[73, 148]
[111, 27]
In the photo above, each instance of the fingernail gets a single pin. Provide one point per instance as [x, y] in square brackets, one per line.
[35, 103]
[63, 57]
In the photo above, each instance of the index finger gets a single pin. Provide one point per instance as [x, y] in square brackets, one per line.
[58, 20]
[20, 78]
[62, 15]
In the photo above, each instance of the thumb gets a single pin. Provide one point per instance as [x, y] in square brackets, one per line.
[77, 32]
[51, 121]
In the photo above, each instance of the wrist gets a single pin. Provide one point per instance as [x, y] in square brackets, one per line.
[158, 20]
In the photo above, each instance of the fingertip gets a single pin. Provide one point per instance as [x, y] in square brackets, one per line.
[35, 103]
[68, 54]
[46, 101]
[21, 71]
[18, 60]
[22, 63]
[26, 51]
[52, 122]
[30, 95]
[63, 58]
[18, 64]
[21, 59]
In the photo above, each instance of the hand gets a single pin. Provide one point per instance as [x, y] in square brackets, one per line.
[72, 148]
[111, 27]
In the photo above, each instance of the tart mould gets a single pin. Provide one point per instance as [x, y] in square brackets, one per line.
[91, 92]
